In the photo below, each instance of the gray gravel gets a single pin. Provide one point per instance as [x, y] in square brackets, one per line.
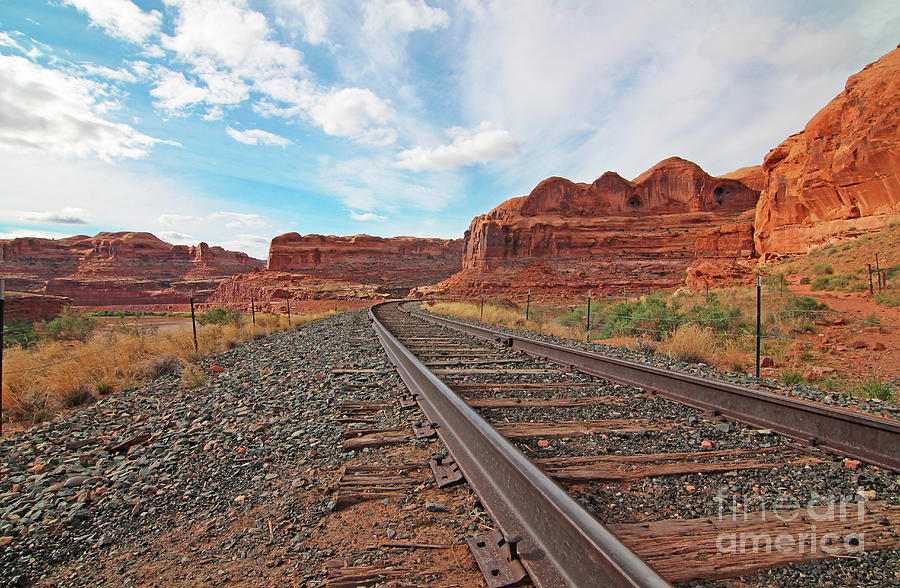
[252, 436]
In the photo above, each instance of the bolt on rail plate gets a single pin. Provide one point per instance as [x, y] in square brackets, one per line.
[408, 401]
[497, 559]
[425, 431]
[445, 470]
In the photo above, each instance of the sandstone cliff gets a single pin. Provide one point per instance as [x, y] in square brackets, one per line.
[841, 171]
[125, 268]
[359, 267]
[610, 235]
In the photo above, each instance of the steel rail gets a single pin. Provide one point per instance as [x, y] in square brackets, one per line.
[557, 541]
[873, 439]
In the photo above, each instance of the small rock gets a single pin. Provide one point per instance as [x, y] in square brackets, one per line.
[723, 427]
[390, 533]
[851, 463]
[435, 507]
[690, 489]
[216, 369]
[5, 541]
[878, 346]
[706, 444]
[74, 482]
[240, 499]
[543, 443]
[867, 494]
[767, 362]
[859, 344]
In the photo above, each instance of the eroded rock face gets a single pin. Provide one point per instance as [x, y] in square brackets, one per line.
[25, 306]
[841, 171]
[611, 235]
[395, 263]
[125, 268]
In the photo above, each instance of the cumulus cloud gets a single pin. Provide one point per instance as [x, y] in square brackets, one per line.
[355, 112]
[50, 110]
[22, 233]
[305, 15]
[367, 216]
[483, 144]
[402, 16]
[257, 137]
[121, 19]
[65, 216]
[177, 238]
[240, 219]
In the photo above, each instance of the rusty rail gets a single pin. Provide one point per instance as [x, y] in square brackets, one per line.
[557, 541]
[870, 438]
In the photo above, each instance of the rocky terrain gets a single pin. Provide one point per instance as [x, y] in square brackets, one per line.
[841, 172]
[360, 267]
[243, 480]
[610, 235]
[118, 269]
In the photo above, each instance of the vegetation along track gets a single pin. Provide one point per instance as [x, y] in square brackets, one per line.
[595, 476]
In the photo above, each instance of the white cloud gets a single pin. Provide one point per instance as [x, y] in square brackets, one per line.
[217, 35]
[7, 41]
[119, 75]
[172, 219]
[355, 112]
[484, 143]
[23, 233]
[402, 16]
[257, 137]
[306, 15]
[49, 110]
[65, 216]
[367, 216]
[592, 87]
[121, 19]
[240, 219]
[176, 238]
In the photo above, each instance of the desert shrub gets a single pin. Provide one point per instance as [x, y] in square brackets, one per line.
[734, 356]
[76, 395]
[103, 387]
[71, 325]
[19, 333]
[691, 343]
[191, 377]
[791, 376]
[219, 316]
[805, 280]
[888, 298]
[159, 366]
[874, 387]
[713, 315]
[823, 268]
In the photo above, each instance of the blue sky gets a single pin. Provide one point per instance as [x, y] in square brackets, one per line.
[232, 121]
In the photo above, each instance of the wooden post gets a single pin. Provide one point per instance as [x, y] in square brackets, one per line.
[288, 300]
[758, 319]
[194, 323]
[528, 304]
[871, 291]
[877, 272]
[252, 309]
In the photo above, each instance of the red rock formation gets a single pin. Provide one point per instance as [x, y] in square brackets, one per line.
[752, 177]
[127, 268]
[360, 267]
[841, 171]
[25, 306]
[610, 235]
[395, 264]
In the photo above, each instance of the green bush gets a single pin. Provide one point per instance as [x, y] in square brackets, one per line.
[19, 333]
[219, 316]
[823, 269]
[874, 387]
[792, 377]
[71, 325]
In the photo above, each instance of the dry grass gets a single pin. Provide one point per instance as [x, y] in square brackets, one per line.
[46, 377]
[691, 343]
[496, 314]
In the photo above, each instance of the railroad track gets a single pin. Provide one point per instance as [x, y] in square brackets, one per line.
[601, 472]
